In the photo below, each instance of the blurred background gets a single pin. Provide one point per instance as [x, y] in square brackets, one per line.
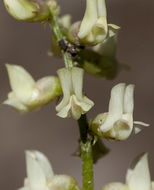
[27, 45]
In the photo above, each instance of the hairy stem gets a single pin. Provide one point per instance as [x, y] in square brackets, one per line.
[86, 155]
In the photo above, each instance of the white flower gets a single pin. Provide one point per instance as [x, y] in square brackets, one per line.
[26, 94]
[118, 123]
[74, 103]
[94, 27]
[40, 175]
[137, 177]
[27, 10]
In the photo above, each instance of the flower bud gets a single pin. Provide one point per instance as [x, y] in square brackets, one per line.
[26, 94]
[28, 10]
[74, 103]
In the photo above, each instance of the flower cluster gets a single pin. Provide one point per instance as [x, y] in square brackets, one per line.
[88, 45]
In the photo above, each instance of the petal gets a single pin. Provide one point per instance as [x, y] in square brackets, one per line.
[66, 83]
[115, 107]
[64, 111]
[116, 186]
[21, 82]
[129, 99]
[44, 164]
[139, 125]
[80, 106]
[65, 21]
[38, 169]
[138, 177]
[101, 6]
[89, 19]
[63, 182]
[122, 129]
[100, 30]
[14, 102]
[48, 87]
[77, 80]
[76, 109]
[86, 104]
[109, 46]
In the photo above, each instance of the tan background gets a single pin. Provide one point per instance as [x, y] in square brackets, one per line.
[27, 45]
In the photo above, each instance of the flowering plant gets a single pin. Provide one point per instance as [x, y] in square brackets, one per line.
[88, 46]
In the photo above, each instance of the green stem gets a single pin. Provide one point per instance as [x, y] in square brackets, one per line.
[86, 155]
[85, 144]
[56, 29]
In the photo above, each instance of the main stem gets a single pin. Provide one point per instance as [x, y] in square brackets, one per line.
[86, 154]
[85, 143]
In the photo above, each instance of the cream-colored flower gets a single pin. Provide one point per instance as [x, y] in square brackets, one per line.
[74, 103]
[40, 175]
[94, 27]
[108, 47]
[137, 177]
[118, 122]
[116, 186]
[28, 10]
[26, 94]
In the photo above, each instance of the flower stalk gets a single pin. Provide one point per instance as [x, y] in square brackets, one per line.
[85, 143]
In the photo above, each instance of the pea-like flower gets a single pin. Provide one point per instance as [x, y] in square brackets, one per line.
[94, 27]
[29, 10]
[117, 123]
[137, 177]
[102, 61]
[74, 102]
[26, 94]
[40, 175]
